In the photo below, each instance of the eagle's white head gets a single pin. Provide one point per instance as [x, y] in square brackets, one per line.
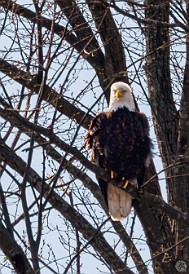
[121, 96]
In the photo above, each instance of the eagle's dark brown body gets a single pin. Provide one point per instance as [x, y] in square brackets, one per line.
[122, 139]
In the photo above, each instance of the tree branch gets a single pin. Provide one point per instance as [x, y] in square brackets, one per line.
[75, 218]
[13, 252]
[94, 56]
[114, 64]
[26, 126]
[146, 21]
[81, 28]
[51, 96]
[159, 80]
[29, 128]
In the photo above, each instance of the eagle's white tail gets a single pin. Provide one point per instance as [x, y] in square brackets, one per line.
[119, 202]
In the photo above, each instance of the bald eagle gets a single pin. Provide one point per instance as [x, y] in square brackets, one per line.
[119, 139]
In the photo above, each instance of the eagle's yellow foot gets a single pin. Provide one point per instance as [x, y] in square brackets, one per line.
[125, 184]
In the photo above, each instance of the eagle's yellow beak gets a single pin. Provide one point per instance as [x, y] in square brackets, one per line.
[119, 93]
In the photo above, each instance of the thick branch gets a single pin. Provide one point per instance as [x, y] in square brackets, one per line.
[159, 80]
[115, 65]
[81, 27]
[181, 183]
[165, 115]
[135, 255]
[182, 172]
[183, 138]
[13, 252]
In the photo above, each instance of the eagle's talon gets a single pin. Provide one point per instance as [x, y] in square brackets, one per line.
[125, 184]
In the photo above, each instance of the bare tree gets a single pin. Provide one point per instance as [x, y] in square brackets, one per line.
[58, 60]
